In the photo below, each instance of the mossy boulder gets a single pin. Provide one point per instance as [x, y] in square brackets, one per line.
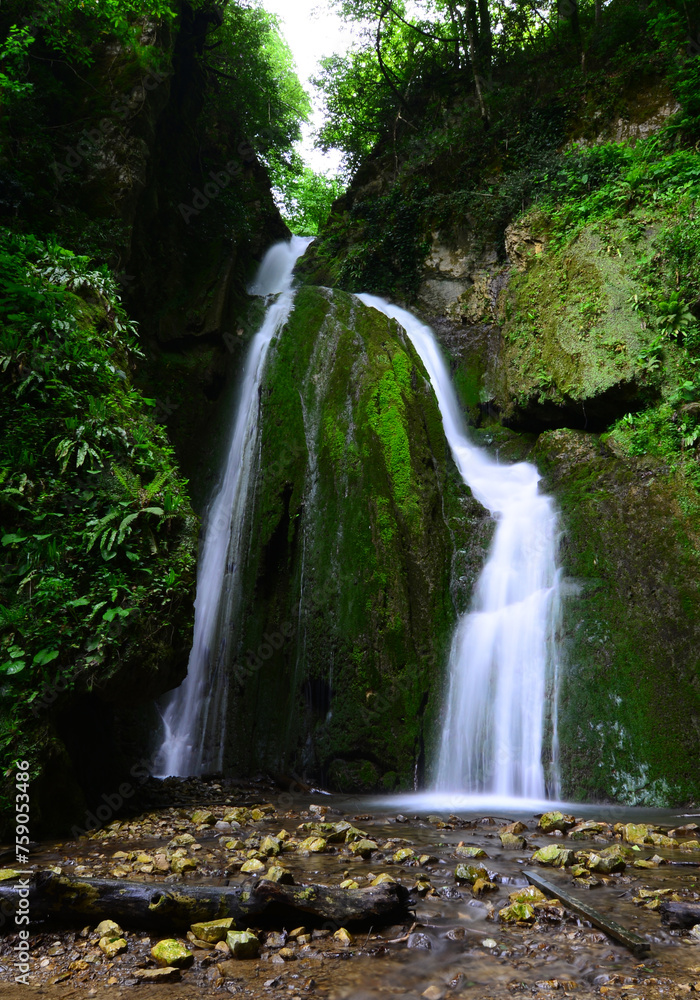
[629, 707]
[573, 340]
[361, 526]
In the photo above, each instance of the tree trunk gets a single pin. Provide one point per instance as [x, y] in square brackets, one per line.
[485, 36]
[469, 24]
[598, 13]
[76, 901]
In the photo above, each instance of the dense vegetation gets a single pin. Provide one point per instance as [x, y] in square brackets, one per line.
[98, 538]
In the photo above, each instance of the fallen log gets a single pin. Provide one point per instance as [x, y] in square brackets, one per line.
[635, 943]
[67, 899]
[679, 914]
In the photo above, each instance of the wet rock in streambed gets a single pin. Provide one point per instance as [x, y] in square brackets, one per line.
[470, 873]
[517, 913]
[555, 821]
[212, 931]
[589, 829]
[467, 851]
[553, 856]
[343, 938]
[512, 842]
[279, 874]
[364, 847]
[169, 974]
[243, 944]
[170, 952]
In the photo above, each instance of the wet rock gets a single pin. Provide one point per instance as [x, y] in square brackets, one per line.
[279, 874]
[287, 954]
[112, 946]
[270, 846]
[514, 828]
[170, 952]
[419, 940]
[364, 847]
[275, 939]
[343, 938]
[482, 886]
[690, 845]
[635, 833]
[470, 873]
[182, 840]
[108, 928]
[517, 913]
[316, 845]
[170, 974]
[529, 894]
[512, 842]
[687, 830]
[253, 866]
[605, 865]
[403, 854]
[469, 851]
[233, 845]
[555, 821]
[554, 856]
[318, 810]
[296, 933]
[380, 879]
[349, 883]
[180, 866]
[433, 993]
[659, 840]
[588, 829]
[212, 931]
[243, 944]
[202, 817]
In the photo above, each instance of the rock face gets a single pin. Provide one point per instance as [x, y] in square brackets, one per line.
[629, 714]
[360, 523]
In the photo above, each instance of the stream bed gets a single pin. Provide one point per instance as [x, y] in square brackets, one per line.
[455, 944]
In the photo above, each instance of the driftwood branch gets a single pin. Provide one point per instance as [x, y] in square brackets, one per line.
[69, 900]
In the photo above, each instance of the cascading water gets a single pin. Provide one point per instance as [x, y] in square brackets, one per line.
[194, 714]
[503, 668]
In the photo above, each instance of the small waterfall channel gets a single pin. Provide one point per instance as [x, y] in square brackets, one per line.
[194, 714]
[503, 670]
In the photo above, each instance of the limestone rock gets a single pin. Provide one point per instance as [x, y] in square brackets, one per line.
[212, 931]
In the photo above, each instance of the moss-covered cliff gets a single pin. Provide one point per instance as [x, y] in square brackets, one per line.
[629, 710]
[359, 525]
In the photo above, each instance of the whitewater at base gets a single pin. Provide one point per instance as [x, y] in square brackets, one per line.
[500, 708]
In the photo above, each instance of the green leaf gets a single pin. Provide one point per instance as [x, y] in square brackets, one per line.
[13, 666]
[12, 539]
[45, 656]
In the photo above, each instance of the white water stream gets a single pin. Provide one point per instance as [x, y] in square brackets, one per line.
[503, 663]
[502, 672]
[194, 714]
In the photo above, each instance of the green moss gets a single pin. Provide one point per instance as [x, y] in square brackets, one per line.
[631, 686]
[354, 551]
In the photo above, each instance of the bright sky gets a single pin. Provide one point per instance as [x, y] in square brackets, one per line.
[312, 32]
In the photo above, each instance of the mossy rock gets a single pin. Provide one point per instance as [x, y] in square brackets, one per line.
[629, 703]
[349, 601]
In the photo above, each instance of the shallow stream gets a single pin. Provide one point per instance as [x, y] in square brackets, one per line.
[453, 945]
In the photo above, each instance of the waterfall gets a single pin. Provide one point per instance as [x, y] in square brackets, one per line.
[501, 694]
[194, 714]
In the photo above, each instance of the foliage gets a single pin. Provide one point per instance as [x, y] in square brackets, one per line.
[96, 535]
[305, 196]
